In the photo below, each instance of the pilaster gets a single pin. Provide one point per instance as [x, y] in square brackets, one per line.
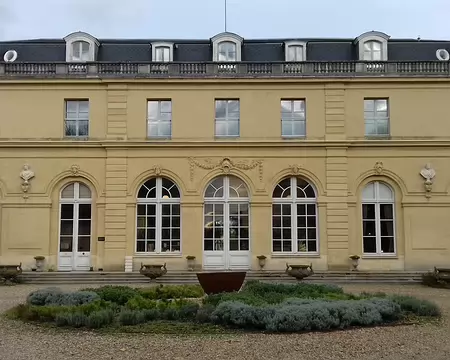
[337, 208]
[117, 112]
[116, 209]
[334, 112]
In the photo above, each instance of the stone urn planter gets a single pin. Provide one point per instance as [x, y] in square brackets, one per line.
[153, 271]
[299, 271]
[219, 282]
[261, 261]
[355, 261]
[39, 262]
[190, 262]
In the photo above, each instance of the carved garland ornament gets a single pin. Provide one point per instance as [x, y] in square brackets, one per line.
[26, 175]
[295, 169]
[75, 169]
[428, 173]
[226, 165]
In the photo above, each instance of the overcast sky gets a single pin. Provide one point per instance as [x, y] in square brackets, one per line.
[156, 19]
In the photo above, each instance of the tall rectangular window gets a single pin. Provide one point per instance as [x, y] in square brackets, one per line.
[76, 118]
[159, 118]
[293, 118]
[376, 117]
[227, 118]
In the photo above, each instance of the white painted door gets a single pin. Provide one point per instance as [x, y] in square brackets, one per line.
[226, 241]
[75, 228]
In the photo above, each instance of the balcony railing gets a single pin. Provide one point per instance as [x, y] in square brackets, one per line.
[226, 70]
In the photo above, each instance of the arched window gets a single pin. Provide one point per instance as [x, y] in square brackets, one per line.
[378, 219]
[294, 217]
[75, 227]
[158, 217]
[80, 51]
[372, 51]
[226, 215]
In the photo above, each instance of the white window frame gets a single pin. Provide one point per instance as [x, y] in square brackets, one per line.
[85, 37]
[380, 37]
[226, 119]
[158, 121]
[375, 118]
[159, 201]
[76, 200]
[288, 44]
[377, 202]
[292, 120]
[227, 37]
[156, 45]
[225, 201]
[78, 119]
[293, 201]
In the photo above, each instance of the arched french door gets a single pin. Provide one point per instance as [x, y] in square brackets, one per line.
[75, 228]
[226, 235]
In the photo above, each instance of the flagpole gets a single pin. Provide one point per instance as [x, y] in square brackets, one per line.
[225, 15]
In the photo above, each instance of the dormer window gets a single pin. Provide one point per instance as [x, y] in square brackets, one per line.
[227, 51]
[372, 46]
[80, 51]
[227, 47]
[81, 47]
[372, 51]
[295, 51]
[162, 52]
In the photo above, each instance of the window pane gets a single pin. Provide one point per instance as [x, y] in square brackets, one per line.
[84, 243]
[68, 192]
[65, 244]
[233, 128]
[299, 128]
[67, 211]
[286, 106]
[386, 211]
[382, 127]
[152, 109]
[371, 128]
[83, 128]
[368, 211]
[387, 245]
[368, 228]
[66, 227]
[381, 105]
[85, 211]
[369, 245]
[387, 228]
[221, 128]
[287, 128]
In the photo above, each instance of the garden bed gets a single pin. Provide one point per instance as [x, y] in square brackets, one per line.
[257, 307]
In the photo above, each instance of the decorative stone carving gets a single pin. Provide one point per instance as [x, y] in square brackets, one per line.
[295, 169]
[226, 165]
[26, 175]
[428, 173]
[378, 167]
[157, 169]
[75, 169]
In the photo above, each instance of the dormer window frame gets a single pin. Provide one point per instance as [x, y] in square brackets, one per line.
[294, 43]
[375, 36]
[227, 37]
[161, 44]
[73, 38]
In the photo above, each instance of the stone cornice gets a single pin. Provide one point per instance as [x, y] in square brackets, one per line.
[130, 144]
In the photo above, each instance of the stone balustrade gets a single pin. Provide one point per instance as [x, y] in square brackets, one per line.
[225, 70]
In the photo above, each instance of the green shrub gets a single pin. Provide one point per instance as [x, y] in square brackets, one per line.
[151, 315]
[298, 290]
[204, 313]
[77, 320]
[39, 297]
[116, 294]
[131, 317]
[54, 296]
[416, 306]
[172, 292]
[138, 303]
[62, 319]
[188, 311]
[100, 319]
[300, 315]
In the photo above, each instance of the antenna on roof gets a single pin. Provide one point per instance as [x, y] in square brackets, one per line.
[225, 15]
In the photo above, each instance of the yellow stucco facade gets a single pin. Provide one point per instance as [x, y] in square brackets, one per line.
[117, 158]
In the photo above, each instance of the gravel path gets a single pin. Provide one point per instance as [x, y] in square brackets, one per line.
[429, 341]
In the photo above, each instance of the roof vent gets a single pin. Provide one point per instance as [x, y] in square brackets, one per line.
[442, 54]
[10, 56]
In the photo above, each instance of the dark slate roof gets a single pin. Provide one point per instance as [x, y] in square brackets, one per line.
[253, 50]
